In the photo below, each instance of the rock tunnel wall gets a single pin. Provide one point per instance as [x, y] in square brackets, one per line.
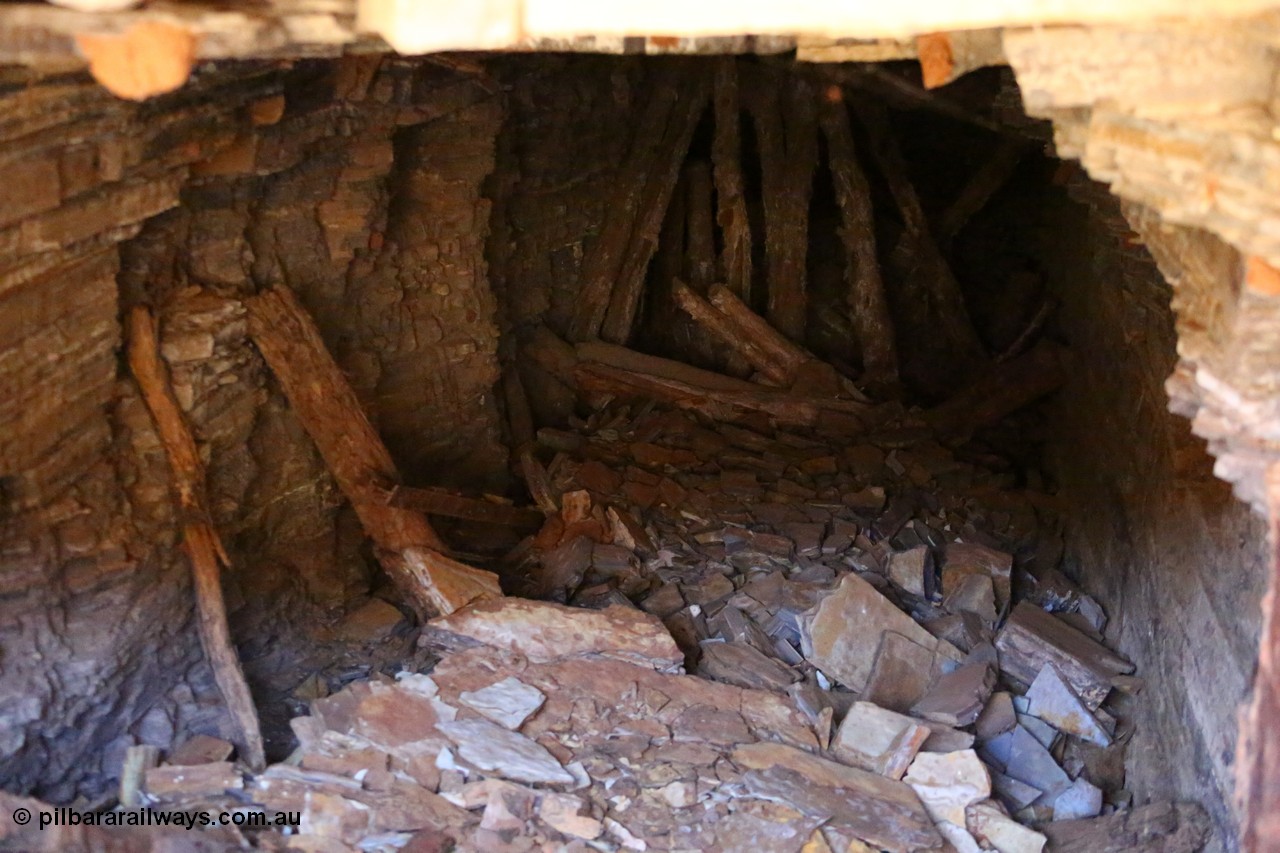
[389, 194]
[356, 183]
[1180, 561]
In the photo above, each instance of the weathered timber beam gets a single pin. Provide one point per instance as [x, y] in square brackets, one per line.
[199, 540]
[724, 329]
[331, 414]
[930, 303]
[981, 186]
[613, 271]
[749, 337]
[726, 160]
[730, 406]
[784, 114]
[700, 239]
[519, 416]
[441, 502]
[788, 356]
[1007, 388]
[868, 308]
[624, 301]
[628, 359]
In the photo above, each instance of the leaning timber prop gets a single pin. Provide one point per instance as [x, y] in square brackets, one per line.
[406, 545]
[199, 539]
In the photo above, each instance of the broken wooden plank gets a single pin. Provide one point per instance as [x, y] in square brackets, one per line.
[199, 540]
[785, 117]
[868, 307]
[726, 159]
[1007, 388]
[435, 501]
[331, 414]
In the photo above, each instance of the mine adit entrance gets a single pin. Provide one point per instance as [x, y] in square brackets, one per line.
[840, 395]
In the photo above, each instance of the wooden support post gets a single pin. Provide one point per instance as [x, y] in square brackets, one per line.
[981, 186]
[613, 271]
[519, 417]
[784, 114]
[446, 504]
[700, 237]
[1007, 388]
[868, 307]
[331, 414]
[199, 541]
[930, 303]
[731, 204]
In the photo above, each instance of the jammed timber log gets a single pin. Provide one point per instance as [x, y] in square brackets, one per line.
[749, 337]
[1005, 389]
[724, 329]
[731, 204]
[331, 414]
[783, 112]
[613, 271]
[628, 359]
[199, 540]
[789, 409]
[930, 303]
[786, 355]
[446, 504]
[993, 174]
[868, 308]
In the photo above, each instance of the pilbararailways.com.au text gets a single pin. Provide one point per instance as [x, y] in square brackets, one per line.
[65, 816]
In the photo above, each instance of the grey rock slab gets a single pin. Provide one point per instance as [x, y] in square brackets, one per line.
[1014, 794]
[1000, 832]
[1083, 799]
[1051, 700]
[900, 674]
[744, 665]
[957, 698]
[948, 783]
[883, 813]
[840, 636]
[543, 632]
[879, 740]
[508, 754]
[508, 703]
[1031, 763]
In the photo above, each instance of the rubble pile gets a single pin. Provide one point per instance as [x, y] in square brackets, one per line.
[883, 658]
